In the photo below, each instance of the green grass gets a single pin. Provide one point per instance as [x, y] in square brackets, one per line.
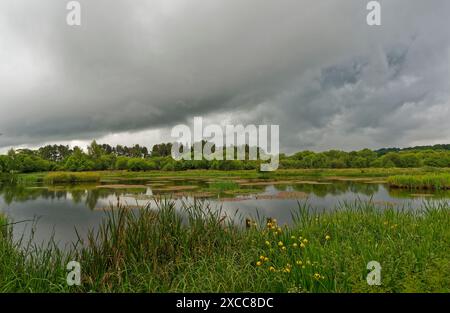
[156, 251]
[224, 186]
[3, 226]
[431, 181]
[71, 177]
[252, 174]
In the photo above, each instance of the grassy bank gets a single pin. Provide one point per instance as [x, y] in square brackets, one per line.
[71, 177]
[247, 174]
[199, 251]
[431, 181]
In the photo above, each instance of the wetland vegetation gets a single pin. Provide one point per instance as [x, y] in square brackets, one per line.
[199, 250]
[100, 157]
[146, 223]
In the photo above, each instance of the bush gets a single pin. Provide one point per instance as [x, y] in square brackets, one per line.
[122, 163]
[138, 164]
[66, 177]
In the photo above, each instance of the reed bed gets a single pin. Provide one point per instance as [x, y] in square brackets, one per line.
[200, 249]
[429, 181]
[71, 177]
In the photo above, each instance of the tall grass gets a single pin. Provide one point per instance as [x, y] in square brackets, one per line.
[3, 226]
[430, 181]
[199, 249]
[224, 185]
[26, 267]
[71, 177]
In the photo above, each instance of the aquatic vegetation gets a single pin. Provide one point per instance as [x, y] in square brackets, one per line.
[71, 177]
[122, 186]
[224, 185]
[438, 181]
[283, 195]
[199, 249]
[3, 226]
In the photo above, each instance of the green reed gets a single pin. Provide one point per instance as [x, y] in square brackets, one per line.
[198, 248]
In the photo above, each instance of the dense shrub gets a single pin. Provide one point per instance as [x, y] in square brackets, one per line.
[67, 177]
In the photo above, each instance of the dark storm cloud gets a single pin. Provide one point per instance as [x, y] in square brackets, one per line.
[314, 67]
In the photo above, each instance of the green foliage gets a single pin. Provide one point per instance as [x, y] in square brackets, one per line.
[121, 163]
[224, 185]
[69, 177]
[3, 227]
[429, 181]
[197, 250]
[102, 157]
[138, 164]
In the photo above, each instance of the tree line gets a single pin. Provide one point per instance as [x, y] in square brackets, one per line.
[138, 158]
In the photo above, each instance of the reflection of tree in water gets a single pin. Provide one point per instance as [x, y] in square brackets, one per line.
[18, 193]
[93, 195]
[283, 187]
[336, 189]
[365, 189]
[15, 193]
[77, 195]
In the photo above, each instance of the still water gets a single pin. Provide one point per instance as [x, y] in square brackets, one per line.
[58, 210]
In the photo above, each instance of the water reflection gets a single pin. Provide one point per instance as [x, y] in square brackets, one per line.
[61, 209]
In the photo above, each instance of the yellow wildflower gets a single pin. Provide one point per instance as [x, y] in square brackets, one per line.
[266, 259]
[261, 257]
[258, 263]
[317, 276]
[305, 241]
[283, 248]
[280, 243]
[295, 245]
[267, 243]
[327, 237]
[292, 237]
[299, 262]
[302, 245]
[272, 269]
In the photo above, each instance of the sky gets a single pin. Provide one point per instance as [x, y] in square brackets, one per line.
[134, 69]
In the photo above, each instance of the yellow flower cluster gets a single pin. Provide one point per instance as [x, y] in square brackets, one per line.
[272, 225]
[285, 248]
[261, 260]
[287, 268]
[317, 276]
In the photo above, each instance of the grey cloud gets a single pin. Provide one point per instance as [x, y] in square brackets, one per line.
[313, 67]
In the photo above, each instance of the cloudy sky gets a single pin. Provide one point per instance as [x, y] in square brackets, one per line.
[133, 69]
